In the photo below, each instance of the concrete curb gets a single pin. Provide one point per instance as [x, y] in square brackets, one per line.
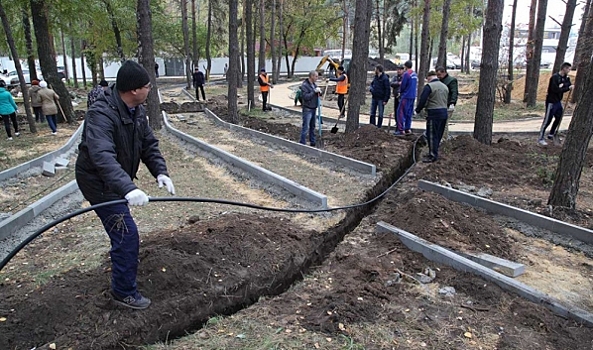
[21, 218]
[362, 167]
[48, 157]
[441, 255]
[257, 171]
[537, 220]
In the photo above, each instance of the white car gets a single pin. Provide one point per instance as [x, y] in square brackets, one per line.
[14, 78]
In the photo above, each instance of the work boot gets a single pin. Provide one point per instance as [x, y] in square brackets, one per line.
[137, 302]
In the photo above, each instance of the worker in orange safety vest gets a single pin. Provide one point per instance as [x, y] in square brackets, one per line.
[264, 88]
[341, 88]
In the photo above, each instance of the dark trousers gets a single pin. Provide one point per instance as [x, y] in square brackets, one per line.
[264, 98]
[556, 111]
[51, 121]
[341, 104]
[39, 117]
[7, 118]
[434, 133]
[198, 89]
[125, 245]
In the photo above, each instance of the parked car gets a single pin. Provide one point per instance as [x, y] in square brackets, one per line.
[13, 78]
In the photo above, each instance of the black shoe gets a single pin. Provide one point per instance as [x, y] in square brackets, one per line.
[137, 303]
[428, 159]
[313, 145]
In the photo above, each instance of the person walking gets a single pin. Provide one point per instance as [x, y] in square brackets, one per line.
[341, 89]
[48, 106]
[395, 83]
[156, 69]
[8, 111]
[264, 87]
[36, 101]
[198, 81]
[380, 91]
[310, 95]
[95, 92]
[407, 92]
[452, 85]
[115, 138]
[558, 85]
[434, 98]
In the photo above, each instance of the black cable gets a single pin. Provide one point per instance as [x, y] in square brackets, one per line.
[201, 200]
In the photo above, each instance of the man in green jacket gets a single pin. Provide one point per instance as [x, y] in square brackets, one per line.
[452, 85]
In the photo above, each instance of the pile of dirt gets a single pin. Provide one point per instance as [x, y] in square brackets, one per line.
[387, 64]
[542, 87]
[190, 274]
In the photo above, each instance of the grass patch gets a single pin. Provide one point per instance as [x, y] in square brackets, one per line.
[466, 111]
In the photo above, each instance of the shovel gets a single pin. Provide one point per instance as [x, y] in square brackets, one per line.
[334, 130]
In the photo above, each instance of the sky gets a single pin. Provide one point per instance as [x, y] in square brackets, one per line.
[556, 9]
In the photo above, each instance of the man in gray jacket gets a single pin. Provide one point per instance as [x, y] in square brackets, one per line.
[434, 98]
[310, 95]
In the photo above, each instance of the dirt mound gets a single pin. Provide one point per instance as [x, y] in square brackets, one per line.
[387, 64]
[189, 273]
[542, 87]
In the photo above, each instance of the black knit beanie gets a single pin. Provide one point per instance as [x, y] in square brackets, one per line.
[131, 76]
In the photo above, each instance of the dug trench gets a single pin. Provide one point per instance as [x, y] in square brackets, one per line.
[195, 272]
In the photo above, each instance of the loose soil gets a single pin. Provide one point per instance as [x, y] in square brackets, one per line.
[542, 87]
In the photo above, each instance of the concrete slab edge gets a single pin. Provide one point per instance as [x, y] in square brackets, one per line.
[441, 255]
[257, 171]
[8, 226]
[534, 219]
[362, 167]
[48, 157]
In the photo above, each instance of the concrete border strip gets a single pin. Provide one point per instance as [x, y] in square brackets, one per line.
[534, 219]
[257, 171]
[441, 255]
[362, 167]
[48, 157]
[21, 218]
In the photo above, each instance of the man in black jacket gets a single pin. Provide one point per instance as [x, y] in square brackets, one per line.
[310, 95]
[115, 138]
[559, 84]
[198, 81]
[380, 91]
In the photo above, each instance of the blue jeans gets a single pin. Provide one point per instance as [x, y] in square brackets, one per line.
[51, 121]
[374, 104]
[125, 245]
[308, 126]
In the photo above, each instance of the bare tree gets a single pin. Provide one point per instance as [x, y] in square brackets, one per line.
[233, 71]
[425, 42]
[584, 50]
[194, 36]
[380, 32]
[208, 40]
[509, 87]
[249, 33]
[358, 69]
[186, 49]
[530, 41]
[568, 173]
[488, 71]
[146, 58]
[564, 34]
[275, 69]
[532, 77]
[281, 28]
[442, 57]
[19, 69]
[262, 34]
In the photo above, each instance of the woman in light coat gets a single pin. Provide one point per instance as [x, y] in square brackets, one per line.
[48, 105]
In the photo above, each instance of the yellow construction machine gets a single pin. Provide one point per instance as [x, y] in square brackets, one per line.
[332, 66]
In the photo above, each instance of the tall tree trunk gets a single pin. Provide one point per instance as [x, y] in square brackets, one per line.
[463, 53]
[509, 87]
[243, 66]
[73, 53]
[379, 32]
[468, 53]
[101, 66]
[208, 38]
[532, 77]
[530, 43]
[424, 53]
[275, 73]
[344, 27]
[411, 37]
[281, 27]
[442, 57]
[146, 58]
[233, 71]
[194, 37]
[262, 34]
[116, 31]
[64, 59]
[488, 71]
[358, 65]
[186, 49]
[584, 49]
[29, 44]
[416, 41]
[564, 34]
[570, 166]
[250, 51]
[82, 68]
[47, 60]
[19, 69]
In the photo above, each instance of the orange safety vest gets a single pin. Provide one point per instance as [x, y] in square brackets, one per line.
[342, 86]
[264, 88]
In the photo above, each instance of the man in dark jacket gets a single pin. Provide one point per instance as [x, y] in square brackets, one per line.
[199, 80]
[115, 138]
[452, 85]
[434, 98]
[310, 94]
[396, 81]
[559, 84]
[380, 91]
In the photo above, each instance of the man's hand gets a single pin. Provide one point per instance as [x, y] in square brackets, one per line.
[137, 197]
[165, 180]
[384, 103]
[561, 85]
[451, 107]
[270, 85]
[571, 87]
[318, 90]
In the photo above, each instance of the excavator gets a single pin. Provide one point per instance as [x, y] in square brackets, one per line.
[332, 66]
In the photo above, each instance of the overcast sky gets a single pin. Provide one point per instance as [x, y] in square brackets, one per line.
[556, 9]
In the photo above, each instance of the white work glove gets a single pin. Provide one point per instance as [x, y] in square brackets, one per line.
[451, 107]
[137, 197]
[165, 180]
[318, 90]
